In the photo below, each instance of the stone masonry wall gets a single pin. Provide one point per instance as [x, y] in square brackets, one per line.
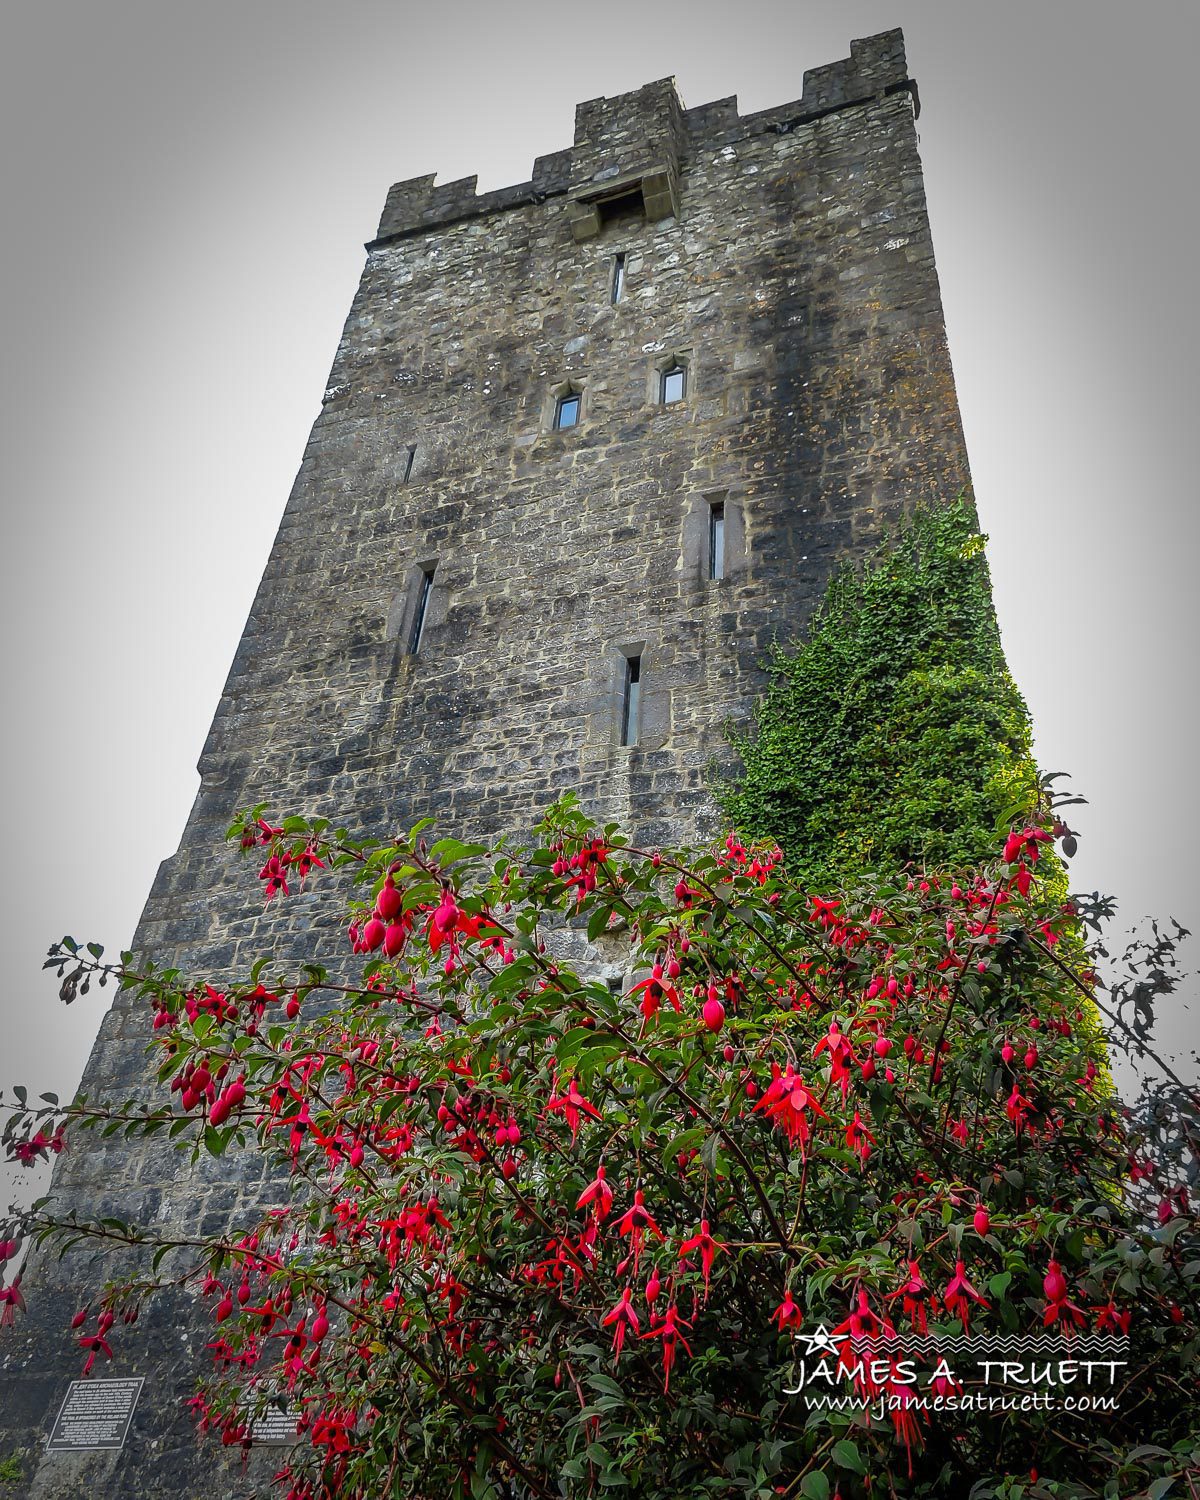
[797, 285]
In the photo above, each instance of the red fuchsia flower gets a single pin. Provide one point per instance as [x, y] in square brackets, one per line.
[841, 1056]
[654, 991]
[788, 1100]
[449, 921]
[1024, 845]
[870, 1330]
[1110, 1316]
[332, 1431]
[1172, 1204]
[859, 1138]
[306, 860]
[943, 1385]
[707, 1247]
[789, 1313]
[825, 912]
[635, 1222]
[1139, 1169]
[11, 1302]
[97, 1343]
[28, 1151]
[571, 1105]
[624, 1317]
[668, 1331]
[1017, 1109]
[959, 1295]
[862, 1323]
[274, 872]
[904, 1418]
[917, 1294]
[599, 1194]
[1059, 1308]
[300, 1124]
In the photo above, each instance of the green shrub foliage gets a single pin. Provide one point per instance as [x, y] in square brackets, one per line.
[895, 735]
[545, 1237]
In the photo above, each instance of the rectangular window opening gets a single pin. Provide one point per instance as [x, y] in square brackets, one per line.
[566, 413]
[618, 277]
[674, 383]
[631, 700]
[626, 204]
[716, 540]
[408, 463]
[616, 984]
[425, 588]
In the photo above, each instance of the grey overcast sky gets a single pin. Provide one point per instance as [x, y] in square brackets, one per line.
[186, 191]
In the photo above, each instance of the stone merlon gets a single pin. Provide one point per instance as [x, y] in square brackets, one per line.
[638, 144]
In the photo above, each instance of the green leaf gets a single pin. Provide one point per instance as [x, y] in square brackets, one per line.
[598, 921]
[605, 1383]
[450, 851]
[687, 1140]
[846, 1454]
[815, 1486]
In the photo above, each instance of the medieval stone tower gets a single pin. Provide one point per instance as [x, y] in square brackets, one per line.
[588, 444]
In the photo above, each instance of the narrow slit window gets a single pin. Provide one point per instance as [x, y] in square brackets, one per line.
[631, 700]
[716, 540]
[618, 277]
[566, 413]
[408, 462]
[424, 589]
[674, 384]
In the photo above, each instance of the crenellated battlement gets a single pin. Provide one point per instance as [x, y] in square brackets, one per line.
[637, 145]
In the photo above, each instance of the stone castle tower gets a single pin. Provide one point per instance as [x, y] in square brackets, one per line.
[588, 445]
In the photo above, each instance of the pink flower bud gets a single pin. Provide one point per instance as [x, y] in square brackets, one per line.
[1055, 1284]
[388, 902]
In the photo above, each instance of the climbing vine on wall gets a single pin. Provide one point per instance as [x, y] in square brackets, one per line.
[895, 733]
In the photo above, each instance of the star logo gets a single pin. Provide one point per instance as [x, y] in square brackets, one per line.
[822, 1341]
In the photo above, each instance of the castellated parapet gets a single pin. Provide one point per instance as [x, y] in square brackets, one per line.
[780, 263]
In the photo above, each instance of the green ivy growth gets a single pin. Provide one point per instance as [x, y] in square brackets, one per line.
[895, 733]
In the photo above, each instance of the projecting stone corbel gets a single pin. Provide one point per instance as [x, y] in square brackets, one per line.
[654, 189]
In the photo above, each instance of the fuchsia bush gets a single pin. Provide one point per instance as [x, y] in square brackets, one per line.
[551, 1237]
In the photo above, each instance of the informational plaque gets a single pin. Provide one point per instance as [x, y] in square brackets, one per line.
[95, 1414]
[274, 1425]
